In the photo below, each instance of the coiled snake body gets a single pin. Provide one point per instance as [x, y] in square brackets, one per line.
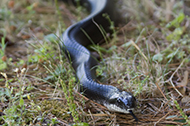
[74, 41]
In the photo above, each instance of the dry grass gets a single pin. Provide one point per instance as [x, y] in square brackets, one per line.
[149, 58]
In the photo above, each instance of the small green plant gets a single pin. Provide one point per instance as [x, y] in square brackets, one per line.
[112, 28]
[4, 13]
[44, 52]
[181, 112]
[30, 9]
[69, 95]
[54, 121]
[16, 110]
[3, 64]
[179, 40]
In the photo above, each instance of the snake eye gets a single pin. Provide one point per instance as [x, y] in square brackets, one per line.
[113, 101]
[116, 101]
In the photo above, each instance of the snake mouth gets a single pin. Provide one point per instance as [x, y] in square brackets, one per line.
[115, 108]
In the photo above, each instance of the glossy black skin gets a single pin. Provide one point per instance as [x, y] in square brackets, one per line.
[73, 44]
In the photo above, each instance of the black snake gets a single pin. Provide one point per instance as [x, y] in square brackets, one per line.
[74, 41]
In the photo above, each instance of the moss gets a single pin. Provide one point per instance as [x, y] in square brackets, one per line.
[55, 107]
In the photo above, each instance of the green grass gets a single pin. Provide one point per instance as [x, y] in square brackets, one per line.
[148, 56]
[3, 64]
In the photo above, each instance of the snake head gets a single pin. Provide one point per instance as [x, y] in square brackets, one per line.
[122, 102]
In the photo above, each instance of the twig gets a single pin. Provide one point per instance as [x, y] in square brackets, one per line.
[133, 43]
[160, 91]
[162, 118]
[172, 77]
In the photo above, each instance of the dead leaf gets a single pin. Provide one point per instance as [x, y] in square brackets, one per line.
[184, 83]
[4, 58]
[11, 4]
[185, 99]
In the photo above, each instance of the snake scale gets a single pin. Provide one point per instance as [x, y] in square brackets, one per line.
[74, 42]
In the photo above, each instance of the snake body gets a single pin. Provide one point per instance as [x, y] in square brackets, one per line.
[74, 42]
